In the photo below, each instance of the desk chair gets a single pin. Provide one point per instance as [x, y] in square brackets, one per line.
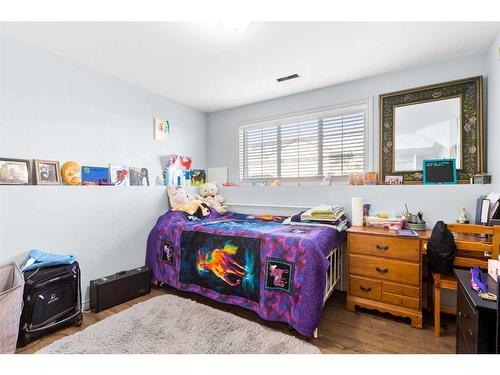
[471, 251]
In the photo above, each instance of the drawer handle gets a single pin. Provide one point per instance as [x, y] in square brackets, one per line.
[365, 289]
[470, 332]
[382, 247]
[382, 270]
[463, 315]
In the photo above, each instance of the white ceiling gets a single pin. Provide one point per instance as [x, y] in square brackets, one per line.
[206, 67]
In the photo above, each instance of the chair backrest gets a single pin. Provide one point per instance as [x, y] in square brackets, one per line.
[473, 250]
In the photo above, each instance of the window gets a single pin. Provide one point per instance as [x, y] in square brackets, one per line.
[306, 146]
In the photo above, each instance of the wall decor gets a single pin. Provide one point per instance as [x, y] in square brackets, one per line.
[393, 180]
[439, 171]
[71, 173]
[176, 172]
[139, 177]
[119, 174]
[47, 172]
[432, 122]
[15, 172]
[95, 175]
[162, 129]
[198, 177]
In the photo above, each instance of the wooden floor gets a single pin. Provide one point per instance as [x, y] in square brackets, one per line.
[340, 331]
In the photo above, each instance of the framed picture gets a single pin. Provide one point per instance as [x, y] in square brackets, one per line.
[15, 172]
[119, 174]
[198, 177]
[162, 129]
[393, 180]
[47, 172]
[139, 177]
[94, 175]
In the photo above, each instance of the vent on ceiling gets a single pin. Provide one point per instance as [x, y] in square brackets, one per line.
[282, 79]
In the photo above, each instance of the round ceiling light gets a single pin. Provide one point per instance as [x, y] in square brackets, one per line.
[235, 26]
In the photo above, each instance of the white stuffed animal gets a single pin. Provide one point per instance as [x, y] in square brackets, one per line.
[209, 194]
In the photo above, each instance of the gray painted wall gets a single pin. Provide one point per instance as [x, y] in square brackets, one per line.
[438, 202]
[51, 108]
[493, 57]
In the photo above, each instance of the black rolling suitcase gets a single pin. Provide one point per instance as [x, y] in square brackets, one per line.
[52, 300]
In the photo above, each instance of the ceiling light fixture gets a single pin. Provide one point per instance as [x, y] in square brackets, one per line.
[235, 26]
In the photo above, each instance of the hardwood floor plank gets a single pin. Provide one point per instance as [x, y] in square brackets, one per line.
[340, 331]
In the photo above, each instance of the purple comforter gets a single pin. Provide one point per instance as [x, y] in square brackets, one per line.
[256, 262]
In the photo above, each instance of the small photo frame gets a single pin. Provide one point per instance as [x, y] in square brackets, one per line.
[15, 172]
[393, 180]
[47, 172]
[139, 176]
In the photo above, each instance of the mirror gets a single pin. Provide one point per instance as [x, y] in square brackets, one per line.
[427, 131]
[432, 122]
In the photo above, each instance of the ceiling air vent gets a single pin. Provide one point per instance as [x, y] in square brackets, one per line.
[283, 79]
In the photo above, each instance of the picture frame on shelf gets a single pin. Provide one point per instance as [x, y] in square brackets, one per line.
[139, 177]
[119, 175]
[95, 175]
[15, 171]
[47, 172]
[393, 180]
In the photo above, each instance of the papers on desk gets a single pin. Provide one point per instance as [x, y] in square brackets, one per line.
[494, 203]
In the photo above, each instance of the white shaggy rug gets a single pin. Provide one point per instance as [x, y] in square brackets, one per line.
[176, 325]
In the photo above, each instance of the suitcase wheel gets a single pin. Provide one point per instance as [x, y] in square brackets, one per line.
[79, 320]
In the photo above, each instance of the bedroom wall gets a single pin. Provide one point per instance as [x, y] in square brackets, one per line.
[493, 56]
[52, 108]
[437, 202]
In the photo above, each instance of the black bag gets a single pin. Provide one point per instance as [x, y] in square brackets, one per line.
[52, 300]
[441, 249]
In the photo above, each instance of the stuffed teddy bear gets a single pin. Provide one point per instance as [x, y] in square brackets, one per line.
[208, 193]
[179, 201]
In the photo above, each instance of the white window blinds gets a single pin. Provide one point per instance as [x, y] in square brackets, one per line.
[308, 146]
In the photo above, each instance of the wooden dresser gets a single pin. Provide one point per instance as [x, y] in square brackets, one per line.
[385, 272]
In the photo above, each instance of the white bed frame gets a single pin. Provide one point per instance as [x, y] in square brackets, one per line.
[333, 274]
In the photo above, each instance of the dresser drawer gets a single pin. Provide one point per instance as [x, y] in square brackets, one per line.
[467, 322]
[366, 288]
[405, 290]
[385, 269]
[395, 299]
[384, 246]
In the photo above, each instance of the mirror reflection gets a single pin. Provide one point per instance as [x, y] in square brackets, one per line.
[427, 131]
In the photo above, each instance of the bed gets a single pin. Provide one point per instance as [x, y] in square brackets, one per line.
[282, 272]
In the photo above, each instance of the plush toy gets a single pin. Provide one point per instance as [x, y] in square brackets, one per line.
[208, 193]
[179, 201]
[71, 173]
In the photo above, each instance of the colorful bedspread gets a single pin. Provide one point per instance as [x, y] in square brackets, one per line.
[256, 262]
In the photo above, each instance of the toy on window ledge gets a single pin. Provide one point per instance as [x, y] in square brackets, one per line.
[462, 217]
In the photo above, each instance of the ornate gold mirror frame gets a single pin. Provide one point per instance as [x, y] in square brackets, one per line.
[470, 90]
